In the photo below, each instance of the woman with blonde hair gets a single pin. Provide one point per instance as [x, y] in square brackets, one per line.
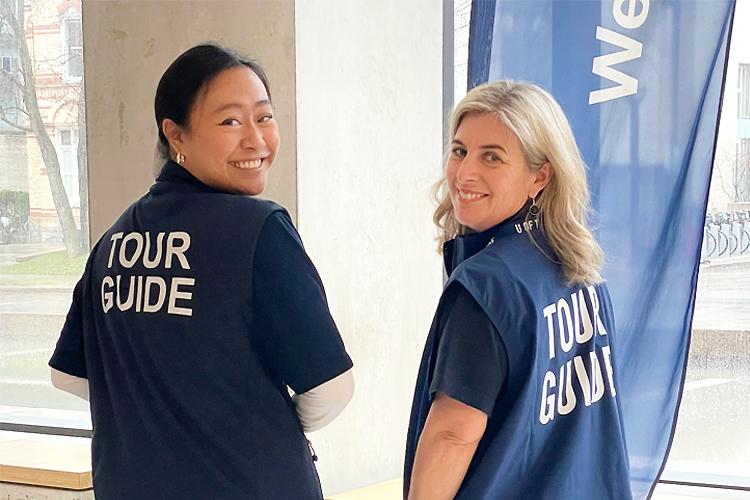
[517, 390]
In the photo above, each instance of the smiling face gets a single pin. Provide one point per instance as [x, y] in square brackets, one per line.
[487, 172]
[232, 137]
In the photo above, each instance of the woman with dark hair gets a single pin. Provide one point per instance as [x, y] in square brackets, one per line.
[199, 308]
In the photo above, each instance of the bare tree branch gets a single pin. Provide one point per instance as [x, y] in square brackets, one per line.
[721, 159]
[18, 126]
[732, 170]
[16, 108]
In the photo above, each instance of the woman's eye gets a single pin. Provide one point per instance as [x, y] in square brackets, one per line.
[231, 121]
[265, 118]
[459, 152]
[492, 157]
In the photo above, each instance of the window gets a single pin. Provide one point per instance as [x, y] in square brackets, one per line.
[9, 93]
[743, 92]
[72, 33]
[461, 19]
[9, 97]
[4, 24]
[67, 154]
[37, 274]
[743, 167]
[744, 153]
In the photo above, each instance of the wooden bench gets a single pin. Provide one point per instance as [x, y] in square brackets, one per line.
[38, 466]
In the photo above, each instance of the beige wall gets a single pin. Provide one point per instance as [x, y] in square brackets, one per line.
[127, 47]
[369, 117]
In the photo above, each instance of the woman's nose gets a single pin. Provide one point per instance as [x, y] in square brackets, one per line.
[466, 169]
[253, 138]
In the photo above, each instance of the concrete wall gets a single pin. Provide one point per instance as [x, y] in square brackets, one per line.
[369, 116]
[127, 47]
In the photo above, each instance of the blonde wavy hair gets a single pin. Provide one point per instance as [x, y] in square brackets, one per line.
[546, 137]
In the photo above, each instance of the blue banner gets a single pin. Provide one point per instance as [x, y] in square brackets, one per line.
[641, 83]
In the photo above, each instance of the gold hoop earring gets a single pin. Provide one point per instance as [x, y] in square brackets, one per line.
[179, 158]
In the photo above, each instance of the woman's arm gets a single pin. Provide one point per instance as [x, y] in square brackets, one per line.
[446, 447]
[76, 386]
[320, 405]
[295, 335]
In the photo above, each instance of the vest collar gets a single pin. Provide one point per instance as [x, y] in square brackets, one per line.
[466, 246]
[175, 174]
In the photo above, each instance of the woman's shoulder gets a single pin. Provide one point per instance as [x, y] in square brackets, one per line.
[251, 203]
[496, 262]
[486, 273]
[248, 210]
[508, 268]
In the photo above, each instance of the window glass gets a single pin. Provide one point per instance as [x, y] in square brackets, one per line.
[43, 204]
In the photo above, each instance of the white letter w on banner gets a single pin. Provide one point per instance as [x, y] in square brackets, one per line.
[603, 66]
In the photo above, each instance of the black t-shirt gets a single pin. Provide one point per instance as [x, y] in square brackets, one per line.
[289, 291]
[195, 312]
[471, 363]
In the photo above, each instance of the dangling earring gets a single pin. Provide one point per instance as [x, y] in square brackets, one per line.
[179, 158]
[534, 208]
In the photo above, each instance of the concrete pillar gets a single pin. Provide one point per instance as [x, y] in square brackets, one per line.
[127, 47]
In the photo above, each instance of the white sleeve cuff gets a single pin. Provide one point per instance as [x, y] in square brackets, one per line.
[320, 405]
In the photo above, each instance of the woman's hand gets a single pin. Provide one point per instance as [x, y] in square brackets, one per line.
[446, 447]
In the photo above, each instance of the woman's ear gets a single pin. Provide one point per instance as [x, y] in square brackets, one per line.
[173, 133]
[542, 178]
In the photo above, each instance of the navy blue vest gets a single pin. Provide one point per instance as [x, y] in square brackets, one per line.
[556, 431]
[168, 318]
